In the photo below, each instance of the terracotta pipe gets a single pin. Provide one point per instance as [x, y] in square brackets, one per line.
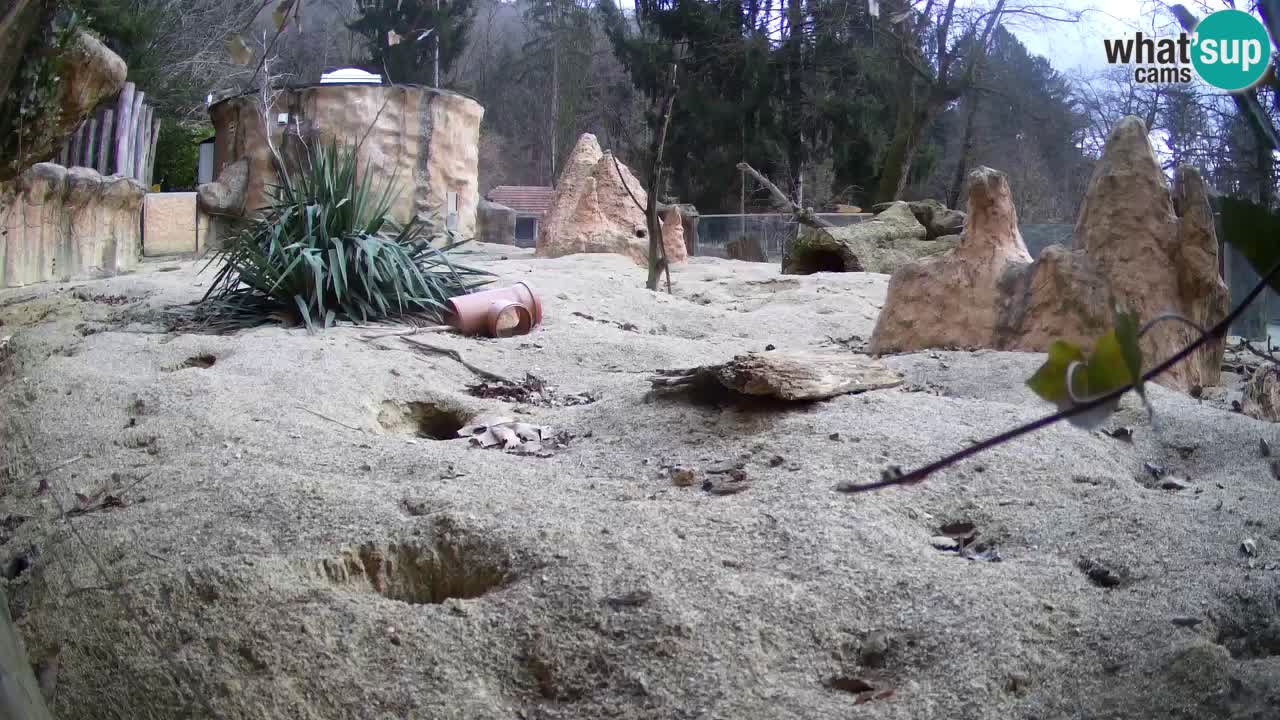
[500, 312]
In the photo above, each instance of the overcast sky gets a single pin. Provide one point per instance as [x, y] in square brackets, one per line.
[1078, 46]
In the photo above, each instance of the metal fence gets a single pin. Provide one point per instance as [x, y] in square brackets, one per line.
[772, 231]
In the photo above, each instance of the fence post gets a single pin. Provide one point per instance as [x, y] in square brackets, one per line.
[90, 144]
[77, 145]
[151, 153]
[123, 109]
[104, 142]
[135, 123]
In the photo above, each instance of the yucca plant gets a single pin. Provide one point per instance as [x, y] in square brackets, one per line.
[326, 250]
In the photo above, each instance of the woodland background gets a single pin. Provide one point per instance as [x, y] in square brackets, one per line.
[837, 106]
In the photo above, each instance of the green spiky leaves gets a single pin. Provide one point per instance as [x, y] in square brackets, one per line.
[325, 250]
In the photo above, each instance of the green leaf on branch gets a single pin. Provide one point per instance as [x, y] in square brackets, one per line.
[1126, 332]
[1067, 379]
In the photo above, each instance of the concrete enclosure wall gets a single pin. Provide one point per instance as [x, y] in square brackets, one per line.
[423, 140]
[71, 224]
[172, 225]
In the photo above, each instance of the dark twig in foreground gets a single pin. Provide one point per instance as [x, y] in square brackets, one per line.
[893, 476]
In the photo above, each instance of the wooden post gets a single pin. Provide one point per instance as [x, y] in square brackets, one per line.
[151, 154]
[105, 144]
[141, 137]
[19, 691]
[135, 124]
[77, 145]
[90, 159]
[123, 110]
[64, 156]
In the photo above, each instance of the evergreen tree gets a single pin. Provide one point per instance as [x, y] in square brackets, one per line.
[403, 37]
[558, 55]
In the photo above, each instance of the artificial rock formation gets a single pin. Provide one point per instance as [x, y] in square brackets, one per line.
[72, 224]
[88, 72]
[593, 212]
[495, 223]
[422, 140]
[1137, 242]
[937, 219]
[880, 245]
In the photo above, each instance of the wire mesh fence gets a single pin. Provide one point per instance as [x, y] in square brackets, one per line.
[771, 230]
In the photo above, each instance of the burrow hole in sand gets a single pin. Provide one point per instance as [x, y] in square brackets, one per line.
[422, 418]
[422, 573]
[203, 361]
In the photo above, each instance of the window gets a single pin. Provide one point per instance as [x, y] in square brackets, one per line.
[526, 231]
[451, 210]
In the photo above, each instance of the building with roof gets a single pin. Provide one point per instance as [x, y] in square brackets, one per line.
[530, 203]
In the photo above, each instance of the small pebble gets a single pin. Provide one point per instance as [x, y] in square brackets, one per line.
[1185, 621]
[1174, 483]
[1018, 681]
[1249, 547]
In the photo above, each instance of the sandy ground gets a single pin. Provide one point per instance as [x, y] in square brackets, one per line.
[290, 544]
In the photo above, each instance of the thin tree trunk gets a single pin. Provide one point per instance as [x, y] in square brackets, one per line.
[912, 122]
[657, 250]
[966, 153]
[18, 29]
[555, 102]
[795, 97]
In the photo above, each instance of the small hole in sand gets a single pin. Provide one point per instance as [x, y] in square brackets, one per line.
[204, 361]
[423, 419]
[421, 573]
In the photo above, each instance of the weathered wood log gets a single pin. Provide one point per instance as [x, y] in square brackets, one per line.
[77, 145]
[135, 125]
[90, 157]
[20, 697]
[151, 151]
[787, 375]
[124, 110]
[105, 142]
[142, 140]
[805, 216]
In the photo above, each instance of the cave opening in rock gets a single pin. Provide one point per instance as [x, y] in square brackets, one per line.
[816, 261]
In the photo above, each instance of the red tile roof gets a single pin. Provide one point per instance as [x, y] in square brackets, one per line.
[524, 199]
